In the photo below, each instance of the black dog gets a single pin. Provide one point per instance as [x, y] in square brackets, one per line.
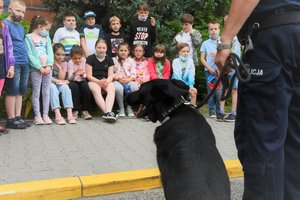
[190, 165]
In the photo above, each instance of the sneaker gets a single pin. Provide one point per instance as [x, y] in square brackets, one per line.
[110, 117]
[86, 115]
[3, 130]
[145, 119]
[121, 113]
[220, 117]
[130, 112]
[38, 120]
[75, 114]
[212, 114]
[230, 118]
[15, 124]
[22, 121]
[47, 120]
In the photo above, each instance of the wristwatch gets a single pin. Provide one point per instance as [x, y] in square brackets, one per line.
[221, 46]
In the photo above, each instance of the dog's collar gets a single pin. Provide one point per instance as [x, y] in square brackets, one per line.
[178, 103]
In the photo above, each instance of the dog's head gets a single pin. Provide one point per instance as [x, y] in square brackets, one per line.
[157, 95]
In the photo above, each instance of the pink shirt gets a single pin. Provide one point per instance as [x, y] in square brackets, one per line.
[72, 67]
[141, 68]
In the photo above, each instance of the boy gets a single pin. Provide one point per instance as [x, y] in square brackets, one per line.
[16, 87]
[208, 54]
[142, 29]
[236, 48]
[67, 35]
[115, 37]
[90, 33]
[188, 35]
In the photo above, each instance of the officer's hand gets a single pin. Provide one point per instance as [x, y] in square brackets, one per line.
[221, 58]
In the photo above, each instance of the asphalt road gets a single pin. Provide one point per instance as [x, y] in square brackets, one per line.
[157, 194]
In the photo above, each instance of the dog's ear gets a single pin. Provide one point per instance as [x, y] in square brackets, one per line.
[165, 90]
[180, 84]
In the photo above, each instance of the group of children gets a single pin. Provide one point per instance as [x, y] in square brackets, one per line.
[89, 66]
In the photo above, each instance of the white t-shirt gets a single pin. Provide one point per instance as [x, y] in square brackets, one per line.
[186, 37]
[67, 38]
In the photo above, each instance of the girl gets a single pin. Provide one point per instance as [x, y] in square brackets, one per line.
[41, 60]
[99, 72]
[184, 69]
[159, 65]
[7, 59]
[125, 75]
[60, 85]
[141, 64]
[81, 94]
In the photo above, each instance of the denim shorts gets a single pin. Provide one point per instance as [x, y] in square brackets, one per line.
[18, 84]
[236, 81]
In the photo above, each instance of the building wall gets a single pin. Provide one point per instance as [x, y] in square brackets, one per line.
[35, 7]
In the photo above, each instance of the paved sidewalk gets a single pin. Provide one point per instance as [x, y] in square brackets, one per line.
[88, 148]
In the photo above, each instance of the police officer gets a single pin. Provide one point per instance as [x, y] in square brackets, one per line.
[267, 129]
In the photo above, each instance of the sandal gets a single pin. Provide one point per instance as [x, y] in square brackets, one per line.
[3, 130]
[60, 121]
[72, 120]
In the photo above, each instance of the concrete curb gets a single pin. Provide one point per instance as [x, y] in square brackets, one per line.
[85, 186]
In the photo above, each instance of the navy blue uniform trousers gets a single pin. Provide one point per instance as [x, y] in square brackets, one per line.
[267, 129]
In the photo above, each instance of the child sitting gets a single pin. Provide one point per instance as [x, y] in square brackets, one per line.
[141, 64]
[184, 69]
[60, 85]
[81, 94]
[99, 73]
[159, 65]
[125, 75]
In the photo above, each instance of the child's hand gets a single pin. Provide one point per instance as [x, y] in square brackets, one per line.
[211, 70]
[42, 70]
[123, 80]
[47, 70]
[11, 72]
[57, 65]
[152, 21]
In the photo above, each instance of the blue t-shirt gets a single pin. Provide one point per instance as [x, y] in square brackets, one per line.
[17, 35]
[209, 47]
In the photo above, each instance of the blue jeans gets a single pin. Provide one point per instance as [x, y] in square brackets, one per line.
[18, 84]
[215, 98]
[66, 95]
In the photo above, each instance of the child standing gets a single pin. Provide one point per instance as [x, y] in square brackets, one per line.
[125, 75]
[188, 35]
[100, 73]
[60, 85]
[159, 65]
[141, 64]
[90, 33]
[40, 60]
[115, 37]
[184, 69]
[81, 94]
[7, 59]
[16, 87]
[142, 29]
[67, 35]
[208, 55]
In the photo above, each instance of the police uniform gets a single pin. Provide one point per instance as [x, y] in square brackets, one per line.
[267, 130]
